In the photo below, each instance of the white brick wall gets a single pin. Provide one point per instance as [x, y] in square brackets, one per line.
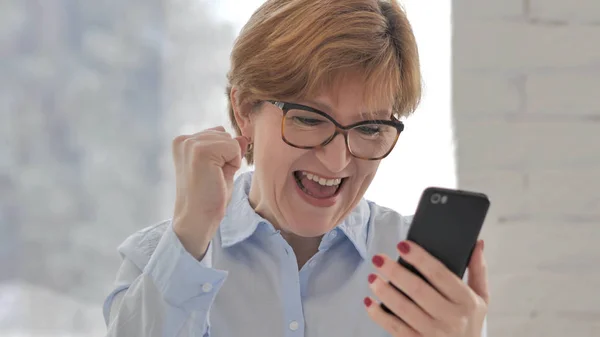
[484, 95]
[527, 143]
[507, 46]
[489, 9]
[527, 115]
[571, 11]
[563, 93]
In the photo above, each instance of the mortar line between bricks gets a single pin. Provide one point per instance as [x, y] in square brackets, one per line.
[527, 9]
[512, 219]
[521, 71]
[592, 117]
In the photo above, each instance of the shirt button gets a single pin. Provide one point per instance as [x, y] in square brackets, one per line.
[294, 326]
[207, 287]
[312, 263]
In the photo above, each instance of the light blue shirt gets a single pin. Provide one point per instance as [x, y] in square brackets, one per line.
[248, 284]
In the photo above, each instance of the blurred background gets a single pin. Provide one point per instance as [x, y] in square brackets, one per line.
[92, 92]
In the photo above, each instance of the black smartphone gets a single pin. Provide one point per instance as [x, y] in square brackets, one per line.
[447, 224]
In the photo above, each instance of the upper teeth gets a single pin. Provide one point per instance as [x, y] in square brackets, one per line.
[322, 181]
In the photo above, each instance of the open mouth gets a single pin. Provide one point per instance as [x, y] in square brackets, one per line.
[317, 187]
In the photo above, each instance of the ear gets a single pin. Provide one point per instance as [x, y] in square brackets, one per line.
[242, 113]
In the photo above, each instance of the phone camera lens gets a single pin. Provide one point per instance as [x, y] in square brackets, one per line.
[435, 198]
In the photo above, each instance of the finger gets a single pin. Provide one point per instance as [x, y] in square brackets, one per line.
[214, 130]
[211, 134]
[478, 279]
[177, 146]
[232, 153]
[236, 163]
[185, 143]
[390, 323]
[426, 297]
[217, 128]
[442, 279]
[401, 305]
[221, 152]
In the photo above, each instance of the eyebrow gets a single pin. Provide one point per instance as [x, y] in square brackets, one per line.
[379, 114]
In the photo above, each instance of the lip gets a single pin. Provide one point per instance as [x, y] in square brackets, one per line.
[321, 203]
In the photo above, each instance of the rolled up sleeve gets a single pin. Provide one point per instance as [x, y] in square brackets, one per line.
[170, 295]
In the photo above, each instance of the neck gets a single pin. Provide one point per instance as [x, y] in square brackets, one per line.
[304, 247]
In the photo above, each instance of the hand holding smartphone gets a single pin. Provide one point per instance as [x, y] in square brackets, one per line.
[447, 224]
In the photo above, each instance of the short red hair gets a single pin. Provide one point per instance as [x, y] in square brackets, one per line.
[292, 49]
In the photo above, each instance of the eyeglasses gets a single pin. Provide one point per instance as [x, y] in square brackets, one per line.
[304, 127]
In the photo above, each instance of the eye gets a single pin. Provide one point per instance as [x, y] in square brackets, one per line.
[307, 121]
[369, 130]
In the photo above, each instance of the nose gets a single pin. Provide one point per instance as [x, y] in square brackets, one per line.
[335, 155]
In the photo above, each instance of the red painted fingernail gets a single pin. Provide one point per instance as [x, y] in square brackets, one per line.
[368, 302]
[372, 278]
[403, 247]
[378, 261]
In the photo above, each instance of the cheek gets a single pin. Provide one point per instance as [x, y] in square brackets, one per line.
[366, 173]
[368, 169]
[272, 154]
[267, 131]
[274, 149]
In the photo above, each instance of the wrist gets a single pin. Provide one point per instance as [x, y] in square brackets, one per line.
[195, 248]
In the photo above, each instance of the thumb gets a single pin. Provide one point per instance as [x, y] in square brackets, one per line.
[244, 142]
[477, 278]
[231, 167]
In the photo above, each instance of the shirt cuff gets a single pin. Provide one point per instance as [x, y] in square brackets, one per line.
[181, 279]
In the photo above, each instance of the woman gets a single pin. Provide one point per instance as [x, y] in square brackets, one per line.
[293, 249]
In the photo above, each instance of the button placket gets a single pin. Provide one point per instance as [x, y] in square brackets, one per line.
[306, 272]
[292, 301]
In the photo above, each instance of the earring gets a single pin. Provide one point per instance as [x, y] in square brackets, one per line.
[250, 147]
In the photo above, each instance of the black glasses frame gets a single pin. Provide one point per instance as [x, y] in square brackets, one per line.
[339, 128]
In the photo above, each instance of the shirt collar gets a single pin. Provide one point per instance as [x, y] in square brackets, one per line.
[356, 227]
[241, 221]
